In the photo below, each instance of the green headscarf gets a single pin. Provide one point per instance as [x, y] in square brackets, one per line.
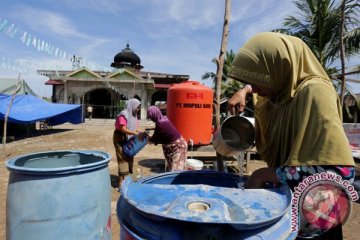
[300, 124]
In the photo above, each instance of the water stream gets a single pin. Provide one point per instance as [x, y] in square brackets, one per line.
[192, 147]
[240, 160]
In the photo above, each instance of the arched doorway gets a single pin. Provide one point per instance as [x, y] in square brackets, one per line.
[138, 98]
[159, 99]
[100, 100]
[159, 96]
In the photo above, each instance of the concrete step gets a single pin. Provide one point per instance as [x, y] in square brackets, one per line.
[111, 122]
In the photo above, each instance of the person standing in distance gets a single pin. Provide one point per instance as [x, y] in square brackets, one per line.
[89, 111]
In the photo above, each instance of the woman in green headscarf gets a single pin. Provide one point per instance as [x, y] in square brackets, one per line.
[298, 117]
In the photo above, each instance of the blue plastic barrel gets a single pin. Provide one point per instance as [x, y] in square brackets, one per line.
[59, 195]
[202, 205]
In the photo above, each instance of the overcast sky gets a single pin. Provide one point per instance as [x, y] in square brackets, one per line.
[169, 36]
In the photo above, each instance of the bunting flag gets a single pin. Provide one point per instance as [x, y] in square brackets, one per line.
[24, 67]
[116, 89]
[13, 31]
[33, 66]
[3, 25]
[30, 40]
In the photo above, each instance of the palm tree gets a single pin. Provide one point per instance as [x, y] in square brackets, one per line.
[331, 29]
[319, 27]
[228, 85]
[229, 58]
[210, 75]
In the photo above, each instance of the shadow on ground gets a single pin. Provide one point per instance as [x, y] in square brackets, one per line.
[114, 180]
[13, 137]
[154, 165]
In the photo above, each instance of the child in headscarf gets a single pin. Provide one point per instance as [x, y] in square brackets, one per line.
[298, 116]
[126, 125]
[173, 144]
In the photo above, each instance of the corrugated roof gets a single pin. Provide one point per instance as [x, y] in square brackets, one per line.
[159, 85]
[53, 82]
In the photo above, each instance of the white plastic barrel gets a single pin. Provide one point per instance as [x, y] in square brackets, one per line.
[194, 164]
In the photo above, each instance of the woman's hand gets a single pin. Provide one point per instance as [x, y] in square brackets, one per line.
[237, 102]
[143, 135]
[260, 177]
[149, 142]
[125, 130]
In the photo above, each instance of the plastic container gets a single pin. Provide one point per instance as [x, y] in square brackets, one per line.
[190, 108]
[194, 164]
[59, 195]
[134, 145]
[202, 205]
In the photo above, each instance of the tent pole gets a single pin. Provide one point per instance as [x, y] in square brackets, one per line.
[82, 113]
[17, 89]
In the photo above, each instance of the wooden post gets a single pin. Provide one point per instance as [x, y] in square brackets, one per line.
[342, 53]
[17, 89]
[220, 61]
[83, 109]
[219, 74]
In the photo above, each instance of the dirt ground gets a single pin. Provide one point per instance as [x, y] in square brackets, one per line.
[97, 135]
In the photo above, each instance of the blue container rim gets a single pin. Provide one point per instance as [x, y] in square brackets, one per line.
[11, 163]
[147, 179]
[240, 225]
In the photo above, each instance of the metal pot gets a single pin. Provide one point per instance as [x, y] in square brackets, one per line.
[235, 134]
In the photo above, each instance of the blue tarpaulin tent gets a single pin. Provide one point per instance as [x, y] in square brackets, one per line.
[27, 108]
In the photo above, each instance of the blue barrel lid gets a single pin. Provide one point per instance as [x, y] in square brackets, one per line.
[201, 203]
[58, 162]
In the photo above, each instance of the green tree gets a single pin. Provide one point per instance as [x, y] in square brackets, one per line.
[322, 24]
[228, 85]
[319, 24]
[210, 75]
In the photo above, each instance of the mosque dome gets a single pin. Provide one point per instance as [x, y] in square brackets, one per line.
[127, 58]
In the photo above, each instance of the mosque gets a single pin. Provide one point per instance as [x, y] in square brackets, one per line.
[105, 91]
